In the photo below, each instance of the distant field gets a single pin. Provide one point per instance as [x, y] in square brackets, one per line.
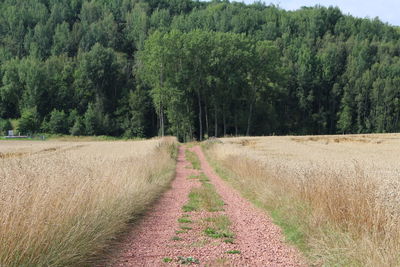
[338, 196]
[378, 153]
[62, 202]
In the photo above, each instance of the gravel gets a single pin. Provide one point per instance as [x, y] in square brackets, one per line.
[259, 241]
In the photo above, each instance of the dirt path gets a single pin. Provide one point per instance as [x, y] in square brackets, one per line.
[171, 236]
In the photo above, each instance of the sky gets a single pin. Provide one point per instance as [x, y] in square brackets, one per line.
[386, 10]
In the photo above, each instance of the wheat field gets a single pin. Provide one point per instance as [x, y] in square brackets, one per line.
[340, 193]
[61, 203]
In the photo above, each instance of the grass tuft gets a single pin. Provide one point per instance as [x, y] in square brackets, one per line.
[193, 159]
[229, 240]
[176, 238]
[233, 252]
[204, 198]
[218, 227]
[167, 260]
[188, 260]
[184, 220]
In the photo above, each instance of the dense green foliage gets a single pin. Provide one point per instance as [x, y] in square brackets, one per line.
[5, 126]
[194, 69]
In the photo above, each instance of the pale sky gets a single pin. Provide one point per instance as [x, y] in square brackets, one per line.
[386, 10]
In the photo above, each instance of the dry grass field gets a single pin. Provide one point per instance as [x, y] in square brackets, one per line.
[61, 203]
[336, 197]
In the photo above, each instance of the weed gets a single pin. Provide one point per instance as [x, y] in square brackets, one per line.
[204, 198]
[180, 232]
[176, 238]
[167, 260]
[218, 227]
[193, 159]
[229, 240]
[184, 220]
[211, 232]
[188, 260]
[193, 176]
[233, 252]
[188, 208]
[203, 178]
[186, 228]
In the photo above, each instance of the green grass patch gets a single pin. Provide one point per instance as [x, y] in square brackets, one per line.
[184, 220]
[203, 178]
[193, 159]
[176, 238]
[167, 260]
[229, 240]
[218, 227]
[204, 198]
[291, 229]
[188, 260]
[193, 176]
[233, 252]
[186, 228]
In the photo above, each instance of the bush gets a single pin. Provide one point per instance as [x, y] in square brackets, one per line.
[58, 123]
[5, 126]
[73, 115]
[96, 121]
[78, 128]
[91, 120]
[29, 122]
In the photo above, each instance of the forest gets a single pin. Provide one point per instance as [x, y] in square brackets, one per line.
[136, 68]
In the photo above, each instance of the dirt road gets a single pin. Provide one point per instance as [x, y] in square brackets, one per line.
[169, 235]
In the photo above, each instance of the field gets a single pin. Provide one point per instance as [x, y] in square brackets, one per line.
[336, 197]
[62, 203]
[68, 203]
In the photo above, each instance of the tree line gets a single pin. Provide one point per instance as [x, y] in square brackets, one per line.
[194, 69]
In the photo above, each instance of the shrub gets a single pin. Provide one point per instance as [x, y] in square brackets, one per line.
[5, 125]
[58, 122]
[78, 128]
[29, 122]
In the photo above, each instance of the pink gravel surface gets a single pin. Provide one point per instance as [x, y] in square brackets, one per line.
[256, 237]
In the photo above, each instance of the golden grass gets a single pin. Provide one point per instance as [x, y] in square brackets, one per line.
[62, 207]
[337, 204]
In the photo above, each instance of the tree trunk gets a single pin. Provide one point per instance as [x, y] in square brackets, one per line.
[200, 117]
[215, 121]
[161, 104]
[162, 121]
[249, 118]
[236, 127]
[206, 116]
[396, 123]
[224, 120]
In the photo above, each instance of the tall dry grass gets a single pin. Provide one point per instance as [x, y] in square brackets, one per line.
[62, 208]
[337, 216]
